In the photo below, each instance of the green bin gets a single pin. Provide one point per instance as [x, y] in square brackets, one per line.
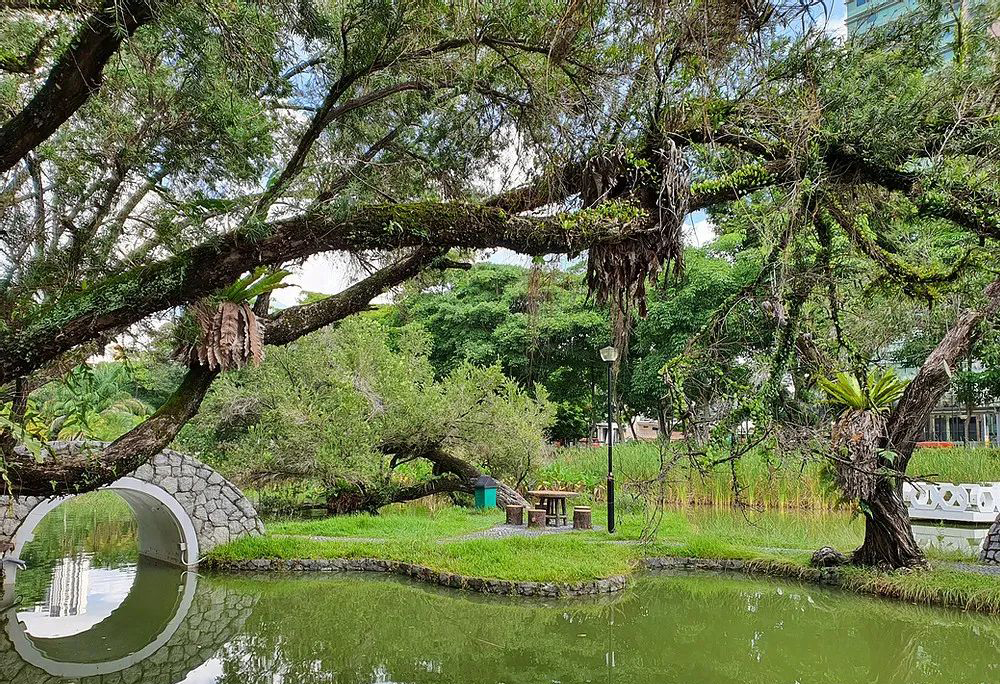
[486, 492]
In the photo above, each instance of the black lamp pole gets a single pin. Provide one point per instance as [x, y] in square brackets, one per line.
[611, 472]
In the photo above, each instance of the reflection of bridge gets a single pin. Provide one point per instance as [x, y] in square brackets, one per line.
[168, 626]
[182, 507]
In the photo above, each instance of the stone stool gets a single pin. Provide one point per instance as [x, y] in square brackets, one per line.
[581, 518]
[536, 517]
[515, 515]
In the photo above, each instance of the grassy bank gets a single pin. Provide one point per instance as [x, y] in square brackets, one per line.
[787, 482]
[398, 522]
[773, 542]
[434, 539]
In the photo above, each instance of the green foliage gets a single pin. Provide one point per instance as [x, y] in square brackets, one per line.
[881, 390]
[321, 410]
[536, 323]
[102, 401]
[676, 314]
[260, 281]
[572, 422]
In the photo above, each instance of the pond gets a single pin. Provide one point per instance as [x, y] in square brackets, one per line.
[91, 612]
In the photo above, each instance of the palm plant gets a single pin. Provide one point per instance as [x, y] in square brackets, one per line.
[860, 429]
[90, 395]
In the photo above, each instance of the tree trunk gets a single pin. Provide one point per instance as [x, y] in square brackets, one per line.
[889, 542]
[931, 382]
[364, 499]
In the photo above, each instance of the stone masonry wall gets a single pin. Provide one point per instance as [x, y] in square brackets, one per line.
[990, 553]
[218, 510]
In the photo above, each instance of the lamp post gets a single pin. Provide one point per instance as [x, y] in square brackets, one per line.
[609, 355]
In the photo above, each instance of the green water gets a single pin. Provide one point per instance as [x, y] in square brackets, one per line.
[99, 615]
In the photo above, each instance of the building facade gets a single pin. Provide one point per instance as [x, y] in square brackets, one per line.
[867, 14]
[947, 423]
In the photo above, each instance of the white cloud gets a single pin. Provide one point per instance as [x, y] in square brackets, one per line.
[323, 273]
[837, 27]
[507, 256]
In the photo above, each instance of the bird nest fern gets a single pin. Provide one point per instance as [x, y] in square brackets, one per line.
[223, 333]
[859, 433]
[880, 391]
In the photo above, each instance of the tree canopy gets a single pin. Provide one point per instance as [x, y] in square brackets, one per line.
[349, 411]
[153, 154]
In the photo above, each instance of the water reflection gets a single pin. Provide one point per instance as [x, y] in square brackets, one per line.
[326, 629]
[964, 540]
[79, 596]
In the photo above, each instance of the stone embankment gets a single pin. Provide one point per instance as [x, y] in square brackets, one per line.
[422, 573]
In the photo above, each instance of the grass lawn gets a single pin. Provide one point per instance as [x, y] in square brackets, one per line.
[419, 535]
[410, 522]
[551, 558]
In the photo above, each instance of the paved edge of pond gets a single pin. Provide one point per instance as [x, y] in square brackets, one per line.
[482, 585]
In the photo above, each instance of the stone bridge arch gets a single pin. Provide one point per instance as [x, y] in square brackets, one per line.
[183, 509]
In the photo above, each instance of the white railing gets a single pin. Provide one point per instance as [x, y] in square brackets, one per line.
[977, 503]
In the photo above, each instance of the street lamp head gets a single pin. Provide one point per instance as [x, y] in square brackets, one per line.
[609, 354]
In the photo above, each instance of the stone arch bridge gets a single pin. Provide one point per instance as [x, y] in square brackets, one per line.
[183, 509]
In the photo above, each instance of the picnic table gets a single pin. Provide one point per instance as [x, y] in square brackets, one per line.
[554, 503]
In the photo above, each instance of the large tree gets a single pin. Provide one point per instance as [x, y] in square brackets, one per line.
[375, 127]
[357, 413]
[212, 138]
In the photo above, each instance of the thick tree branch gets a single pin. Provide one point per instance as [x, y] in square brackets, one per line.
[60, 474]
[76, 74]
[67, 474]
[296, 321]
[909, 416]
[204, 269]
[446, 463]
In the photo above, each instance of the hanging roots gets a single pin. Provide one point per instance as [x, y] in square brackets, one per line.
[231, 337]
[661, 188]
[857, 435]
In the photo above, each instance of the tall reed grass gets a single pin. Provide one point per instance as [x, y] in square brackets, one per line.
[764, 480]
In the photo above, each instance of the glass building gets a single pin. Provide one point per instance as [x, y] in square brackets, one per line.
[866, 14]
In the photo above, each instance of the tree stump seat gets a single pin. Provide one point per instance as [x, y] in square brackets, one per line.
[536, 517]
[582, 519]
[515, 514]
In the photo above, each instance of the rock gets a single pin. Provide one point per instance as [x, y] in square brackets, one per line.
[827, 557]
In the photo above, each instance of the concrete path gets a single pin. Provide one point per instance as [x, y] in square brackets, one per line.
[992, 570]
